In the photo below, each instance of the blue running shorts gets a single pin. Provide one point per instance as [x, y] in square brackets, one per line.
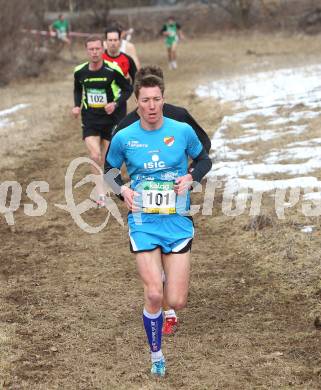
[172, 233]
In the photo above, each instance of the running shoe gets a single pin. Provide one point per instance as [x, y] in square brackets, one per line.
[158, 368]
[170, 325]
[101, 201]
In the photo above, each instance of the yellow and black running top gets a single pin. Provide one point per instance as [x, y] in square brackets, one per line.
[94, 89]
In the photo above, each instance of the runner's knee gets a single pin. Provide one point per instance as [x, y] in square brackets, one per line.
[96, 156]
[177, 303]
[154, 297]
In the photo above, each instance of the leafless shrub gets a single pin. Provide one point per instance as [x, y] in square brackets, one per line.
[81, 5]
[238, 9]
[317, 322]
[259, 222]
[290, 251]
[311, 21]
[17, 49]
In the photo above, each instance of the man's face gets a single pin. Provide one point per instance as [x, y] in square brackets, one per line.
[94, 51]
[113, 43]
[150, 107]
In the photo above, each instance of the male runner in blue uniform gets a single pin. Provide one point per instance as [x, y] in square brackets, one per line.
[156, 151]
[180, 114]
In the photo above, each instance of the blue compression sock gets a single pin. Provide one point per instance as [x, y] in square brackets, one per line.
[153, 324]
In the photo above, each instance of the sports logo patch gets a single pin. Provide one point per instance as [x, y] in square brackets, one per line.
[169, 141]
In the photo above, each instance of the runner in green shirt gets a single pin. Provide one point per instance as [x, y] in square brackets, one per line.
[60, 28]
[172, 32]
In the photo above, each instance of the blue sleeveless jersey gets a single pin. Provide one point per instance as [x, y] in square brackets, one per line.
[155, 157]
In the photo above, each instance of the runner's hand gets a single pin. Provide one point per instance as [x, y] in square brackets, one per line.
[183, 184]
[75, 111]
[129, 197]
[110, 107]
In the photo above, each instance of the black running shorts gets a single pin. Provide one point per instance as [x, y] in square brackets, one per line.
[103, 131]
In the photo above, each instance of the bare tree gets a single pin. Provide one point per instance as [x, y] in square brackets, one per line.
[238, 9]
[98, 5]
[100, 11]
[13, 18]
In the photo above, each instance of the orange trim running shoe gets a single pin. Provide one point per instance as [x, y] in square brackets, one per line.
[170, 325]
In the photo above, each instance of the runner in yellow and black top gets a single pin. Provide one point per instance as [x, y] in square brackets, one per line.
[99, 88]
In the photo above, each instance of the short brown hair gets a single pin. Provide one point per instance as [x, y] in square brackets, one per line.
[149, 70]
[149, 76]
[113, 29]
[94, 38]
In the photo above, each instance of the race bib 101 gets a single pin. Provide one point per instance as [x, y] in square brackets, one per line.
[97, 98]
[158, 197]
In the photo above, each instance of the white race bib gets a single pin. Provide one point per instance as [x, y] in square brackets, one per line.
[97, 98]
[158, 197]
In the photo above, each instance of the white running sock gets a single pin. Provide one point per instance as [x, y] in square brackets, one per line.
[156, 356]
[170, 313]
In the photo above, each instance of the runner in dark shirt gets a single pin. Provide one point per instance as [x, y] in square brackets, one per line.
[173, 112]
[98, 90]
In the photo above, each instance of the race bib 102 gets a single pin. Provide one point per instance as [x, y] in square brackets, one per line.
[97, 98]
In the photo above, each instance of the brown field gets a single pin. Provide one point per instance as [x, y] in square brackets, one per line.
[71, 302]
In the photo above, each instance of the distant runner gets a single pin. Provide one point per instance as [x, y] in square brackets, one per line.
[172, 32]
[60, 28]
[124, 61]
[98, 90]
[128, 47]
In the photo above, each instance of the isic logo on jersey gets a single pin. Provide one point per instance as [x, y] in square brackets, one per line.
[169, 141]
[155, 163]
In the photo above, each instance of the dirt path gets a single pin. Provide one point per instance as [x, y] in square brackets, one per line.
[71, 302]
